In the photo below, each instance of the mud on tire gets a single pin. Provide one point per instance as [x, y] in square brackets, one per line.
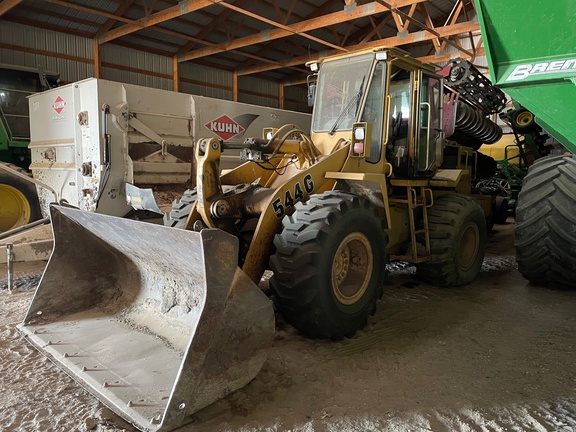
[458, 237]
[545, 237]
[329, 265]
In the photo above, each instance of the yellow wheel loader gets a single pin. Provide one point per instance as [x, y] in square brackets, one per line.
[158, 321]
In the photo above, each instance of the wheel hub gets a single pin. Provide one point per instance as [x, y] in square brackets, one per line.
[524, 118]
[15, 210]
[352, 268]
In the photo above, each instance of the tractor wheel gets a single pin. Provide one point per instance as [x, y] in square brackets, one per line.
[546, 222]
[329, 265]
[522, 121]
[20, 205]
[458, 241]
[181, 208]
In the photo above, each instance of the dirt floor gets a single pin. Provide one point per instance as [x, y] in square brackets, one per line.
[496, 355]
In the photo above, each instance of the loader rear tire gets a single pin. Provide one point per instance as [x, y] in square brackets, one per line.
[458, 236]
[181, 208]
[19, 200]
[546, 222]
[329, 265]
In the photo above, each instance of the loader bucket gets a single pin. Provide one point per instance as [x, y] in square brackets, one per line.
[155, 322]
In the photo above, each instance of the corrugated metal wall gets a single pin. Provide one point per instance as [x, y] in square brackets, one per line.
[159, 66]
[46, 40]
[296, 99]
[221, 81]
[258, 92]
[133, 67]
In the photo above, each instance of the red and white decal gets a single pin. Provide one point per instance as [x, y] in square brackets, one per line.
[59, 105]
[225, 127]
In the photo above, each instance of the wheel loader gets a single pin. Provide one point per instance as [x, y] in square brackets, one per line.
[160, 321]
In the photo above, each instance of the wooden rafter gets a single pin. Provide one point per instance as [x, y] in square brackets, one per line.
[280, 26]
[184, 7]
[327, 20]
[422, 26]
[88, 10]
[120, 10]
[274, 44]
[377, 28]
[444, 32]
[429, 24]
[277, 29]
[6, 5]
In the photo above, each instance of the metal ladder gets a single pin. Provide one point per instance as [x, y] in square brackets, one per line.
[415, 200]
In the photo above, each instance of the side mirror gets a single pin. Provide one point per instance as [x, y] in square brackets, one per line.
[311, 94]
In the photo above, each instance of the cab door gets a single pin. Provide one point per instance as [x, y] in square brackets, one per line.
[429, 134]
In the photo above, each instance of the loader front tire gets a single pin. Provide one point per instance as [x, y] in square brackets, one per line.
[329, 265]
[545, 237]
[458, 237]
[181, 209]
[19, 200]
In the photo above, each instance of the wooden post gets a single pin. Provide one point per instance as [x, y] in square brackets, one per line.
[97, 60]
[235, 86]
[176, 73]
[281, 96]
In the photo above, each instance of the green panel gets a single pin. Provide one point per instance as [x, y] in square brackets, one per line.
[531, 52]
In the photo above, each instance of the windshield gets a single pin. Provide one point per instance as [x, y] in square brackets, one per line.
[341, 86]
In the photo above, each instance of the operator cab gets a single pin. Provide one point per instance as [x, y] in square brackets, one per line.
[399, 100]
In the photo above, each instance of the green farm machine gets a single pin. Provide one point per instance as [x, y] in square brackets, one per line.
[18, 197]
[532, 57]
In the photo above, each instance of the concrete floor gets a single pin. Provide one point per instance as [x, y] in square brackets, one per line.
[495, 355]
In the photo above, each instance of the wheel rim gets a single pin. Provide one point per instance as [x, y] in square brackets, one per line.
[15, 209]
[469, 246]
[524, 118]
[352, 268]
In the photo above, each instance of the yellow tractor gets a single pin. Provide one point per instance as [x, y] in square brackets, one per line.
[159, 321]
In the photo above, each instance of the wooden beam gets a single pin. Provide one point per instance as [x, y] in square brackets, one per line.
[429, 24]
[365, 10]
[410, 14]
[53, 27]
[88, 10]
[120, 10]
[376, 28]
[447, 57]
[444, 32]
[136, 70]
[421, 25]
[46, 53]
[51, 13]
[274, 44]
[182, 8]
[281, 26]
[206, 30]
[6, 5]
